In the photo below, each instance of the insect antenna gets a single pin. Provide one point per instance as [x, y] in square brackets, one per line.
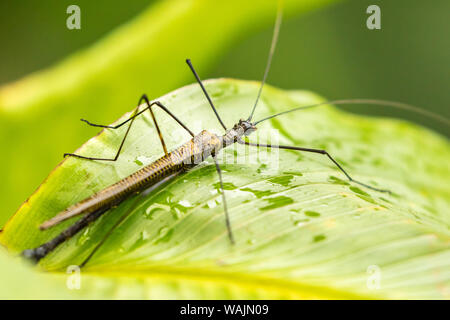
[276, 31]
[188, 61]
[385, 103]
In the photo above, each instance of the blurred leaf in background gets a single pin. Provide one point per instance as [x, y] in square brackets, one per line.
[39, 114]
[19, 281]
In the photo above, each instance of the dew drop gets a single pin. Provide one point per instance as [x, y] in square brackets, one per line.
[261, 168]
[319, 237]
[226, 185]
[84, 237]
[176, 213]
[155, 207]
[185, 203]
[258, 193]
[165, 234]
[336, 180]
[300, 222]
[277, 202]
[295, 173]
[358, 190]
[281, 180]
[212, 204]
[312, 214]
[163, 231]
[144, 235]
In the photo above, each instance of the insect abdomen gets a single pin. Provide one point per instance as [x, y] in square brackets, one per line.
[185, 156]
[134, 183]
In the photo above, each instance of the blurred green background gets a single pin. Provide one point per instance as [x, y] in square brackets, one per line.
[329, 51]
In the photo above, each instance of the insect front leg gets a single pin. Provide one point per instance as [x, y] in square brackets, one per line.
[319, 151]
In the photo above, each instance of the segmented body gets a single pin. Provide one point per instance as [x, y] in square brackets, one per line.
[182, 158]
[186, 156]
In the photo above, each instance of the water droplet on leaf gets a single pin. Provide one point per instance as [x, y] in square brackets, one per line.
[312, 214]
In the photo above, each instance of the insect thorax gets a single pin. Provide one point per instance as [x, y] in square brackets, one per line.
[197, 149]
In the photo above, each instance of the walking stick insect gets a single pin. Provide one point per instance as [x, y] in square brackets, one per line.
[188, 155]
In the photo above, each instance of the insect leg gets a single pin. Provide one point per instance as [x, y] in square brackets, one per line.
[159, 104]
[41, 251]
[131, 120]
[324, 152]
[222, 190]
[188, 61]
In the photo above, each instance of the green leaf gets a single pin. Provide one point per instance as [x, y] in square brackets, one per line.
[21, 282]
[302, 230]
[105, 80]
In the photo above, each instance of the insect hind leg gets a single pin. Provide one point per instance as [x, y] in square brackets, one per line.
[319, 151]
[123, 218]
[131, 120]
[225, 207]
[43, 250]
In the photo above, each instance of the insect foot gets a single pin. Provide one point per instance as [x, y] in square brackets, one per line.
[34, 255]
